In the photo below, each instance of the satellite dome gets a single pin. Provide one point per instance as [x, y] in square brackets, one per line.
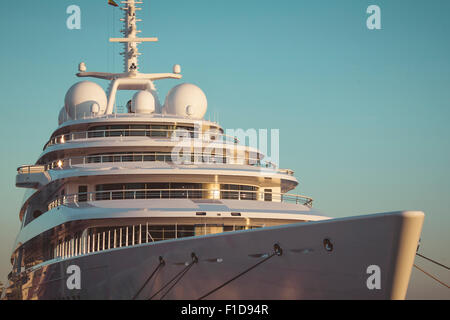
[63, 117]
[186, 100]
[84, 99]
[143, 102]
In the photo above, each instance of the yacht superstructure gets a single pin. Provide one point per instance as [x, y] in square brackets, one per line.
[158, 203]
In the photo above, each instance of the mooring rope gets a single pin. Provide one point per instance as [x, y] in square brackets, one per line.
[181, 276]
[178, 275]
[433, 277]
[161, 264]
[277, 252]
[435, 262]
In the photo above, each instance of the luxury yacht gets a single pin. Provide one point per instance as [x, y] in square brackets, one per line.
[155, 202]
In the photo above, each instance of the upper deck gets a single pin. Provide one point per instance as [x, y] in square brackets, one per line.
[163, 126]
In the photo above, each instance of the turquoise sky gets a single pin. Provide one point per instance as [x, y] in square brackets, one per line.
[363, 115]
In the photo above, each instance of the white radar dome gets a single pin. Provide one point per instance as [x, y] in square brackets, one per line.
[186, 100]
[143, 102]
[84, 99]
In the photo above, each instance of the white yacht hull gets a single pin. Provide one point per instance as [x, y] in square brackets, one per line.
[305, 270]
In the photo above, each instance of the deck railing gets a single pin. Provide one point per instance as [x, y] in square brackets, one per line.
[151, 133]
[141, 194]
[31, 169]
[125, 236]
[195, 158]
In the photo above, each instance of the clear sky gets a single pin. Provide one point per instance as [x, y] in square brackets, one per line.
[363, 114]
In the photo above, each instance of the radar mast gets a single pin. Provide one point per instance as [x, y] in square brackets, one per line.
[131, 78]
[131, 52]
[130, 40]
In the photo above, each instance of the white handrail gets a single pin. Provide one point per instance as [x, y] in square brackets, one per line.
[141, 194]
[83, 135]
[199, 158]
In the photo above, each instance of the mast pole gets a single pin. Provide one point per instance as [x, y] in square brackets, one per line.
[131, 52]
[130, 40]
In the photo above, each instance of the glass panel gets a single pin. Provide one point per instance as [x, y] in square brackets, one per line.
[140, 195]
[139, 126]
[117, 196]
[153, 195]
[228, 228]
[135, 186]
[149, 157]
[129, 195]
[185, 231]
[82, 196]
[159, 131]
[248, 196]
[94, 159]
[233, 195]
[106, 187]
[137, 133]
[158, 185]
[99, 132]
[127, 158]
[248, 188]
[160, 157]
[267, 194]
[103, 196]
[156, 232]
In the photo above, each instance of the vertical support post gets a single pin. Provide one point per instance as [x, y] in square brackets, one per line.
[140, 233]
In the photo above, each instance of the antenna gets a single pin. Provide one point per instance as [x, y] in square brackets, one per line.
[130, 40]
[131, 78]
[131, 52]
